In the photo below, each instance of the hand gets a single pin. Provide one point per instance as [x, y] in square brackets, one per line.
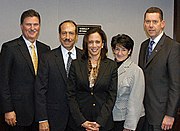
[167, 123]
[91, 126]
[10, 118]
[126, 129]
[44, 126]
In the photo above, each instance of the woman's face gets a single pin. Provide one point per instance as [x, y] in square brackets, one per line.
[94, 44]
[121, 53]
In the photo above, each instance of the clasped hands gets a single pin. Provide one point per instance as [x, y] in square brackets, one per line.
[91, 126]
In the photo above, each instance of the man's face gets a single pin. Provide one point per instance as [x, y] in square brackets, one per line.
[153, 25]
[68, 36]
[30, 28]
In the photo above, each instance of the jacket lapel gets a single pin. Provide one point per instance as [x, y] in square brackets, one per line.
[102, 69]
[60, 63]
[156, 49]
[125, 65]
[39, 49]
[84, 71]
[25, 53]
[78, 53]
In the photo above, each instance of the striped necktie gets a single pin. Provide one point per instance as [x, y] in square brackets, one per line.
[68, 63]
[34, 58]
[150, 49]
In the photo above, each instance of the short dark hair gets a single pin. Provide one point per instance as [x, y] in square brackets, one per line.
[123, 40]
[68, 21]
[154, 10]
[30, 13]
[104, 50]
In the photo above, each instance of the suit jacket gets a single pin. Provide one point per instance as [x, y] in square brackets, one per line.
[17, 79]
[162, 78]
[50, 90]
[130, 95]
[94, 104]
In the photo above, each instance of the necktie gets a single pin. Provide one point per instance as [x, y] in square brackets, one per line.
[68, 63]
[34, 58]
[150, 49]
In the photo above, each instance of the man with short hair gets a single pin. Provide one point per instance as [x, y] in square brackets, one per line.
[18, 67]
[160, 60]
[52, 110]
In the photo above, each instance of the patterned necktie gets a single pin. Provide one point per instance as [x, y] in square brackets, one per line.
[68, 63]
[34, 58]
[150, 49]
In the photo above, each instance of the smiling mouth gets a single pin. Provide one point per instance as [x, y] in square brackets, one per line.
[151, 30]
[94, 50]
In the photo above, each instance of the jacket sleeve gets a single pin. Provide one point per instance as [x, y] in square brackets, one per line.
[135, 102]
[6, 63]
[107, 107]
[174, 78]
[41, 86]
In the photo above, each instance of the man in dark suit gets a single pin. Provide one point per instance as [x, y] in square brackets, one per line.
[52, 110]
[161, 64]
[18, 69]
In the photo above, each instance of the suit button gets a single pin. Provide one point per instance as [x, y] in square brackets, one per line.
[94, 104]
[92, 93]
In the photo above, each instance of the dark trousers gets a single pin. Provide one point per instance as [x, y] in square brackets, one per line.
[32, 127]
[119, 125]
[149, 127]
[2, 125]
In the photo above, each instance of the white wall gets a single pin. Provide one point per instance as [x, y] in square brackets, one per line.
[115, 16]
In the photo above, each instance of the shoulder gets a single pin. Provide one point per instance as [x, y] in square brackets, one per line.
[11, 43]
[79, 52]
[43, 45]
[52, 53]
[170, 41]
[145, 42]
[136, 68]
[109, 62]
[78, 49]
[133, 68]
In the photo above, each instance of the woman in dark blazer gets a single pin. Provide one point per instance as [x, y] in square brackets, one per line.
[92, 85]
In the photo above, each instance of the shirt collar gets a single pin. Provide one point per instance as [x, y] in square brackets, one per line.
[65, 51]
[28, 43]
[156, 40]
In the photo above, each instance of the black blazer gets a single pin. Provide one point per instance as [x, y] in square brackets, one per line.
[50, 90]
[96, 104]
[162, 78]
[17, 79]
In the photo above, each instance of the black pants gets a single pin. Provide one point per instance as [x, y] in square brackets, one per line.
[119, 125]
[149, 127]
[2, 124]
[32, 127]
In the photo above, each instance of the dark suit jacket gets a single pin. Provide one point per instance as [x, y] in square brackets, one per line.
[50, 93]
[92, 104]
[17, 79]
[162, 77]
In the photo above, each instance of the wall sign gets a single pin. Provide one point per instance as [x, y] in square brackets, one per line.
[82, 29]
